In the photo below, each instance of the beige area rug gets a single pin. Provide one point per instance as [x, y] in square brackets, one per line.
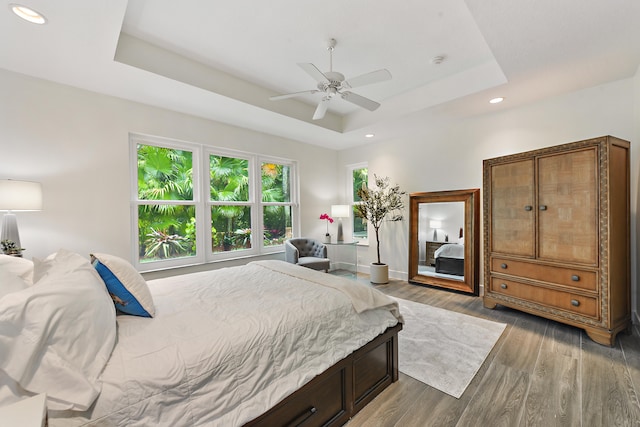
[442, 348]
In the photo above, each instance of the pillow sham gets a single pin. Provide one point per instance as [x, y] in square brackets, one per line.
[17, 265]
[57, 263]
[11, 282]
[127, 287]
[57, 335]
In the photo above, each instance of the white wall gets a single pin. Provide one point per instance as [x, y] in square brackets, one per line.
[75, 143]
[635, 185]
[449, 156]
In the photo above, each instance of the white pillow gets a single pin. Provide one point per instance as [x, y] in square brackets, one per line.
[67, 262]
[10, 282]
[56, 336]
[126, 286]
[17, 265]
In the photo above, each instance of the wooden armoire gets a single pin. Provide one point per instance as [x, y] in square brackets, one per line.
[556, 234]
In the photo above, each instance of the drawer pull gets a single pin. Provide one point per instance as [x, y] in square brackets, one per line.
[543, 207]
[575, 278]
[528, 208]
[503, 265]
[575, 302]
[503, 286]
[302, 417]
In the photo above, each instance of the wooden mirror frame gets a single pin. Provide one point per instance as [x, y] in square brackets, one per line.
[471, 199]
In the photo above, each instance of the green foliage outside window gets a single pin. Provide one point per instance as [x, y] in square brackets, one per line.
[165, 230]
[276, 188]
[360, 180]
[168, 230]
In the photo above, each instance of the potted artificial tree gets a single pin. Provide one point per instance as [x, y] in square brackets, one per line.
[376, 204]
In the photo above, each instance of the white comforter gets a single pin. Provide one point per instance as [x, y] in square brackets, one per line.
[227, 345]
[450, 250]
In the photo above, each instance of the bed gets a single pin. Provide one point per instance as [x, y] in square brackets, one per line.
[450, 259]
[268, 343]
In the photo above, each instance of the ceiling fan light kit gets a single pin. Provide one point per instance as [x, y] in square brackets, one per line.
[332, 83]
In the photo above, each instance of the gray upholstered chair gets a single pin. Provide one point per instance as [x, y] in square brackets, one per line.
[307, 253]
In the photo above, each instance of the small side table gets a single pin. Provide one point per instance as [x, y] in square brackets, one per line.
[431, 249]
[30, 412]
[344, 258]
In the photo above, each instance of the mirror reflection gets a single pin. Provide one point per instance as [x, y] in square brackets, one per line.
[444, 239]
[441, 240]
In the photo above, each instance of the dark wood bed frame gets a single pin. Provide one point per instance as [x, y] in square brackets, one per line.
[336, 395]
[453, 266]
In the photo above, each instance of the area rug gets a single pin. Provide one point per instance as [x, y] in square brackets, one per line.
[442, 348]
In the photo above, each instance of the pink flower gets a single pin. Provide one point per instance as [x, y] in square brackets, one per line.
[329, 220]
[327, 217]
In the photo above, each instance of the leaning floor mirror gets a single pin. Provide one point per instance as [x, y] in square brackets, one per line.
[444, 239]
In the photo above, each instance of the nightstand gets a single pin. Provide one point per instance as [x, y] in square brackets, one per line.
[30, 412]
[432, 247]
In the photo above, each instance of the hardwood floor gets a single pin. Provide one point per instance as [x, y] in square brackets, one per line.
[540, 373]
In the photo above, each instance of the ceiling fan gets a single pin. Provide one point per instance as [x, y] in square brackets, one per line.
[333, 83]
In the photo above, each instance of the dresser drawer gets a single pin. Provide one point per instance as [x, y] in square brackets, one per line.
[576, 278]
[579, 304]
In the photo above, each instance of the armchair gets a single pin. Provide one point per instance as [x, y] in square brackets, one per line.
[307, 253]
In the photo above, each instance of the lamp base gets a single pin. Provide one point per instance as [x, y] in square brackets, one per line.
[340, 235]
[10, 229]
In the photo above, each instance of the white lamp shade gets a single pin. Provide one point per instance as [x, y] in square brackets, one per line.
[435, 224]
[20, 195]
[340, 211]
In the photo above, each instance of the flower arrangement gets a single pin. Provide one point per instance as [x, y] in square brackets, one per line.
[329, 221]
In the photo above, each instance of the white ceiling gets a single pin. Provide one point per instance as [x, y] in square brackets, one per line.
[223, 59]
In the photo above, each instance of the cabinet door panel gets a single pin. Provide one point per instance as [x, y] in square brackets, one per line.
[512, 211]
[568, 207]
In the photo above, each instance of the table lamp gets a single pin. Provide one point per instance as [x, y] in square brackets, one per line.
[17, 196]
[435, 225]
[340, 211]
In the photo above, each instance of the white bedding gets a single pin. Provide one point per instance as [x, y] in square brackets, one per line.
[450, 250]
[227, 345]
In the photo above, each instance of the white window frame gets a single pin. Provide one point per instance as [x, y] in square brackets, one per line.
[203, 203]
[351, 202]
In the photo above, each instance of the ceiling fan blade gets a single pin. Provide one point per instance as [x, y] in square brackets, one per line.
[321, 109]
[313, 71]
[291, 95]
[368, 78]
[360, 101]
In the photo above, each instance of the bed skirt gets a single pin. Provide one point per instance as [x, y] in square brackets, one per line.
[336, 395]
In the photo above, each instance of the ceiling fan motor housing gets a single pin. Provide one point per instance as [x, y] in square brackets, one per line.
[335, 82]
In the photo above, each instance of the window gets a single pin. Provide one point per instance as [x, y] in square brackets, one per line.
[276, 201]
[359, 178]
[246, 205]
[230, 204]
[166, 208]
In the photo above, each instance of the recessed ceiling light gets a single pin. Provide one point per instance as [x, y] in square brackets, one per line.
[496, 100]
[28, 14]
[369, 135]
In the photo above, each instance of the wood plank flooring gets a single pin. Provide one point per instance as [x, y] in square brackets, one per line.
[540, 373]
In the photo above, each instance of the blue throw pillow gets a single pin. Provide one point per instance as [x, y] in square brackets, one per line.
[127, 287]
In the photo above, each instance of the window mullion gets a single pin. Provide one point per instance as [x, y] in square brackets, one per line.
[255, 178]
